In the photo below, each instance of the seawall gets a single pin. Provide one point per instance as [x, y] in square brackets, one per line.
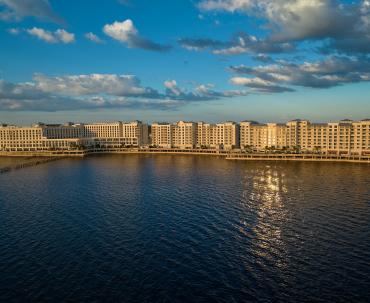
[229, 155]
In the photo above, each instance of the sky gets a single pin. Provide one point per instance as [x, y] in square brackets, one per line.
[210, 60]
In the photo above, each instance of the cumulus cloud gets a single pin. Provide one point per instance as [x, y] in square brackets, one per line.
[295, 19]
[202, 92]
[94, 91]
[127, 33]
[260, 85]
[240, 44]
[32, 97]
[15, 10]
[59, 36]
[94, 38]
[42, 34]
[331, 71]
[64, 36]
[111, 84]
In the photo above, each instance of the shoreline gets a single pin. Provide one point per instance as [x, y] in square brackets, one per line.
[228, 155]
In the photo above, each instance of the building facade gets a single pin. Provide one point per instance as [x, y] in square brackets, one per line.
[184, 135]
[42, 136]
[227, 135]
[162, 134]
[342, 137]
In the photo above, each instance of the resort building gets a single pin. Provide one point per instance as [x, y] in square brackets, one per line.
[227, 135]
[184, 135]
[344, 137]
[42, 136]
[162, 134]
[360, 140]
[34, 138]
[255, 136]
[117, 134]
[222, 135]
[206, 135]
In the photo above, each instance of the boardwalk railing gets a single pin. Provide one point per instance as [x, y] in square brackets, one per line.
[299, 157]
[228, 154]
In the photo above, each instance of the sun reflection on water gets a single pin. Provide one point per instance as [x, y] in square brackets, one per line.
[265, 191]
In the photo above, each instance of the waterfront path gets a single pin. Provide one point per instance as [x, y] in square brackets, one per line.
[227, 154]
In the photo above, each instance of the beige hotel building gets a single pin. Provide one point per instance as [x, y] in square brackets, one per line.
[343, 137]
[42, 136]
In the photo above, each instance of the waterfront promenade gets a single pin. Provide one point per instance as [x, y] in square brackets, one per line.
[226, 154]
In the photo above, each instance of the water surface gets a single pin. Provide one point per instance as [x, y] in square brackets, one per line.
[164, 228]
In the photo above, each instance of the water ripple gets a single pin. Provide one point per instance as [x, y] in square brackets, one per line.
[185, 229]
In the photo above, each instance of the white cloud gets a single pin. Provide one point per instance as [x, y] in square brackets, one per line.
[234, 50]
[202, 92]
[121, 31]
[42, 34]
[60, 35]
[227, 5]
[64, 36]
[111, 84]
[172, 87]
[93, 91]
[250, 81]
[13, 31]
[94, 38]
[259, 85]
[127, 33]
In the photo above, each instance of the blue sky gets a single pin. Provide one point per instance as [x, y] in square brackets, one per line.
[207, 60]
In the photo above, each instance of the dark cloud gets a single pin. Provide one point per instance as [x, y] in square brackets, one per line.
[202, 43]
[18, 9]
[263, 58]
[239, 44]
[351, 46]
[346, 24]
[332, 71]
